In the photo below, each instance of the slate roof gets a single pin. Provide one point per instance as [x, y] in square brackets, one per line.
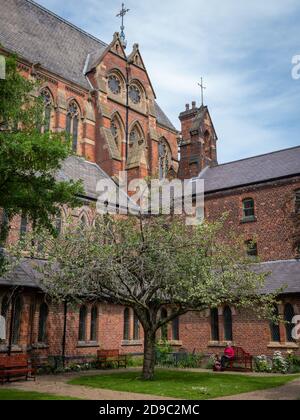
[25, 275]
[271, 166]
[162, 118]
[40, 36]
[77, 168]
[284, 274]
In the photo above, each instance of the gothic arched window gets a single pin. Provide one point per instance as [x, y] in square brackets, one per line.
[175, 329]
[17, 320]
[48, 103]
[214, 322]
[114, 84]
[83, 221]
[228, 324]
[274, 327]
[165, 157]
[288, 317]
[4, 306]
[43, 316]
[58, 223]
[126, 326]
[72, 124]
[23, 226]
[136, 136]
[164, 328]
[116, 128]
[94, 322]
[136, 327]
[135, 94]
[82, 323]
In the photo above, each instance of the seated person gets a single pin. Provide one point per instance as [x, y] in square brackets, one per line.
[228, 355]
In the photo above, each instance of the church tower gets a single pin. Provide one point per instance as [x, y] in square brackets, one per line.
[198, 144]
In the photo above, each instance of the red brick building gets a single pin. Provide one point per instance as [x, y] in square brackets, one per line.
[104, 97]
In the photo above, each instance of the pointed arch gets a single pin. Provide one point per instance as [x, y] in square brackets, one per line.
[165, 157]
[136, 134]
[117, 129]
[141, 88]
[48, 100]
[72, 121]
[84, 220]
[116, 82]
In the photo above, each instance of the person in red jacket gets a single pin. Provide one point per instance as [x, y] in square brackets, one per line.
[228, 355]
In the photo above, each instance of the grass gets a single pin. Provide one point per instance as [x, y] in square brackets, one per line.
[183, 385]
[14, 394]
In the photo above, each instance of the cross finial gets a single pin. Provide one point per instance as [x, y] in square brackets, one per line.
[202, 90]
[121, 15]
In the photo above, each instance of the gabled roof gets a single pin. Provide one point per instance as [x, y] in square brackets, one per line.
[257, 169]
[40, 36]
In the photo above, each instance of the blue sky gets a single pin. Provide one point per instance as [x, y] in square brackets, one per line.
[243, 49]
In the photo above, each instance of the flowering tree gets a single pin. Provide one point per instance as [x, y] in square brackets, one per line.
[148, 264]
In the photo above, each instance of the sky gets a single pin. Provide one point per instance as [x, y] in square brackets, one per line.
[242, 49]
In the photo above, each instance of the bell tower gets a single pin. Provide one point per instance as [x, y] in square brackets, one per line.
[198, 144]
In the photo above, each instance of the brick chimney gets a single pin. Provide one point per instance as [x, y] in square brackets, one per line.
[198, 142]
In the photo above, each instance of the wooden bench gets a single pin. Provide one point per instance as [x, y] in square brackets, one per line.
[15, 367]
[242, 361]
[106, 357]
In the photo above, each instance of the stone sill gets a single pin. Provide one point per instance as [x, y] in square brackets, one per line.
[249, 220]
[40, 346]
[287, 346]
[87, 345]
[219, 343]
[177, 343]
[14, 349]
[131, 343]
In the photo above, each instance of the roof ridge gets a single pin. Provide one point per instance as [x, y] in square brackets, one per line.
[72, 25]
[257, 156]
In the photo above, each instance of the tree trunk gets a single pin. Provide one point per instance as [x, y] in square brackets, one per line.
[149, 354]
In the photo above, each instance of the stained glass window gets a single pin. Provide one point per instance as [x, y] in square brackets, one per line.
[135, 94]
[72, 123]
[114, 84]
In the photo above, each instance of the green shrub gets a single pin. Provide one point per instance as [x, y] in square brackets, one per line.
[135, 361]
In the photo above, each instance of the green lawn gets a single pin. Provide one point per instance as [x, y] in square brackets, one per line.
[14, 394]
[183, 385]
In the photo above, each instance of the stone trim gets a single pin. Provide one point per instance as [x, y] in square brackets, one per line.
[131, 343]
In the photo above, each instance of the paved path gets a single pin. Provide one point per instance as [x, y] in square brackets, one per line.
[288, 392]
[58, 385]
